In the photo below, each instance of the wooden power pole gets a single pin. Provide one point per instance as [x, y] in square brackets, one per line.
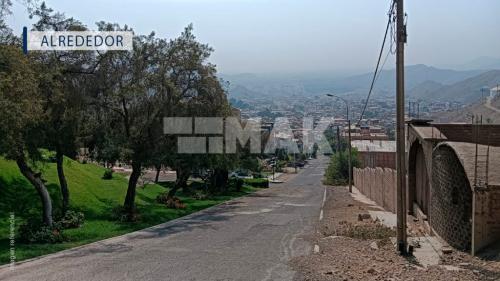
[400, 128]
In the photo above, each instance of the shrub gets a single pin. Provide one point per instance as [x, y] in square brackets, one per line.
[72, 219]
[366, 231]
[172, 203]
[33, 231]
[108, 174]
[337, 172]
[260, 183]
[200, 195]
[259, 176]
[236, 183]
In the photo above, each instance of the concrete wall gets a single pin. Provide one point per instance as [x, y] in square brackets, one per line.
[378, 184]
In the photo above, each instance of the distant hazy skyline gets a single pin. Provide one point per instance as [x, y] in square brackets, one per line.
[297, 36]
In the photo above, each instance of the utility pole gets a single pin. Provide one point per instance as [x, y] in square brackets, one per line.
[400, 128]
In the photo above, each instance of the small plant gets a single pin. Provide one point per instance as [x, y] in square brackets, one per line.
[371, 230]
[72, 219]
[108, 174]
[237, 183]
[33, 231]
[200, 195]
[170, 202]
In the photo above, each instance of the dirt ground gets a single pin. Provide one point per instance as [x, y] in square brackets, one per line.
[354, 249]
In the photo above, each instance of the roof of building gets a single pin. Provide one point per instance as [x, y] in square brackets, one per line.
[374, 145]
[429, 133]
[466, 153]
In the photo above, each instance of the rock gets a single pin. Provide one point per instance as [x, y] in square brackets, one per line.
[374, 245]
[362, 217]
[316, 249]
[446, 250]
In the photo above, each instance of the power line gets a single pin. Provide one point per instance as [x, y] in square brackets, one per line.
[390, 23]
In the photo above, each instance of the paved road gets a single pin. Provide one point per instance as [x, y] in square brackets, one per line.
[251, 238]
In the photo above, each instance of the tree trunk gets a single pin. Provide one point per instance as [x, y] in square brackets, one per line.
[180, 182]
[219, 181]
[158, 170]
[129, 204]
[62, 181]
[36, 181]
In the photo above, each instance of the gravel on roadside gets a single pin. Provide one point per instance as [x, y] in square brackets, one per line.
[354, 247]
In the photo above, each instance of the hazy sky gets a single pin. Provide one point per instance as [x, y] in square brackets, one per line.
[263, 36]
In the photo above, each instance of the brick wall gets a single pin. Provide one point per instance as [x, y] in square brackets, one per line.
[451, 200]
[378, 184]
[486, 226]
[372, 159]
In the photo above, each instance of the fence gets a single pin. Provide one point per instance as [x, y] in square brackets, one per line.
[378, 184]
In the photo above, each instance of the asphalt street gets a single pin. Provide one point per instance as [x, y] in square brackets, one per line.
[250, 238]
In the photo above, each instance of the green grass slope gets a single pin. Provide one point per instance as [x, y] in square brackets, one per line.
[89, 194]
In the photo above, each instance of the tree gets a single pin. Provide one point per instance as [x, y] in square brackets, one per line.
[131, 103]
[21, 110]
[337, 172]
[59, 73]
[198, 92]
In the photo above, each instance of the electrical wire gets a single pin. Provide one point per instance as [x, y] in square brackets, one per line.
[390, 25]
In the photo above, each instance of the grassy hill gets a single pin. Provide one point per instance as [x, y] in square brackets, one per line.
[91, 195]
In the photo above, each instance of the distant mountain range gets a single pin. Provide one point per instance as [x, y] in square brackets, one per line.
[466, 91]
[422, 82]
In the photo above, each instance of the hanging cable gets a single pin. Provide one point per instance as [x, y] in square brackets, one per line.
[390, 23]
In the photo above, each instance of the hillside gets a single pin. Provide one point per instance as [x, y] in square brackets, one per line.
[248, 86]
[414, 74]
[467, 91]
[464, 115]
[424, 89]
[92, 195]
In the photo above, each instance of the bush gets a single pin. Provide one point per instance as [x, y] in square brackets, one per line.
[236, 183]
[260, 183]
[259, 176]
[108, 174]
[337, 172]
[172, 203]
[72, 219]
[200, 195]
[33, 231]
